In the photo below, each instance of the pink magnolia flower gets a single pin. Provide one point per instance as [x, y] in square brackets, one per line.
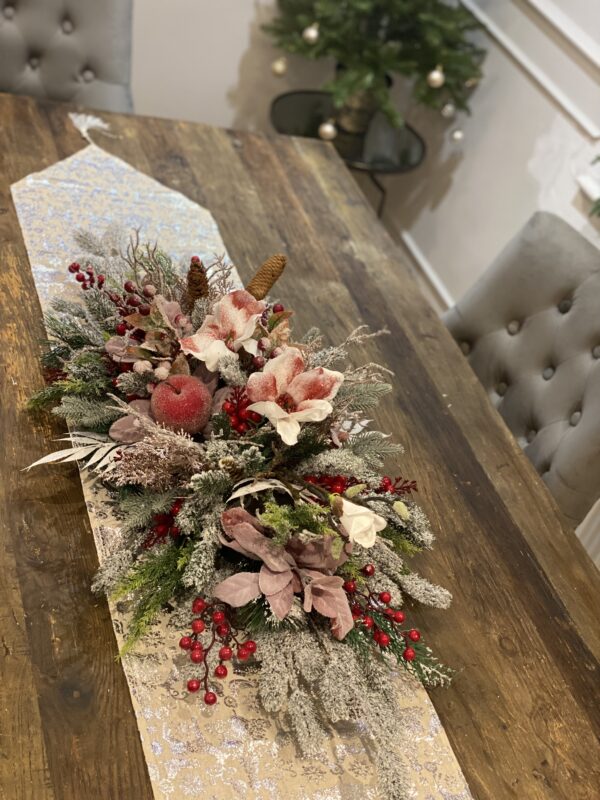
[287, 395]
[228, 329]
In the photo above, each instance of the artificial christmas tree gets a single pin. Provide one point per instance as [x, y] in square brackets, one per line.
[425, 40]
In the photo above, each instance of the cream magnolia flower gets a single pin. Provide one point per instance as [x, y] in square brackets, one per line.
[228, 329]
[287, 395]
[361, 524]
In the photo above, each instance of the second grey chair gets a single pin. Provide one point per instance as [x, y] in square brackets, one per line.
[530, 328]
[70, 50]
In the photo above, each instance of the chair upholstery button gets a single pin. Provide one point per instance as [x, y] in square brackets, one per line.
[34, 62]
[8, 11]
[596, 351]
[501, 388]
[565, 305]
[88, 75]
[575, 417]
[465, 347]
[513, 327]
[548, 373]
[67, 26]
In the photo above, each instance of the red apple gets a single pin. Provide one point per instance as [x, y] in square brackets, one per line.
[182, 403]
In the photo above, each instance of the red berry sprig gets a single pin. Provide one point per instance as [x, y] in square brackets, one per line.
[241, 418]
[336, 484]
[213, 619]
[366, 605]
[163, 526]
[398, 486]
[86, 277]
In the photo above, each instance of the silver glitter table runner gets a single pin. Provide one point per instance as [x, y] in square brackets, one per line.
[232, 749]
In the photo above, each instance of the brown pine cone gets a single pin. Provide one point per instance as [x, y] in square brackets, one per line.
[197, 284]
[264, 280]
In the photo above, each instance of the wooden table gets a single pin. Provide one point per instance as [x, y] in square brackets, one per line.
[523, 713]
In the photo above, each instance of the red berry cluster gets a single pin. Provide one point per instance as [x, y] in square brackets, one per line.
[213, 619]
[236, 408]
[86, 277]
[398, 486]
[164, 525]
[366, 604]
[337, 484]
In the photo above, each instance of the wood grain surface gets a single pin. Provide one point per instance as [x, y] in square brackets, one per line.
[523, 714]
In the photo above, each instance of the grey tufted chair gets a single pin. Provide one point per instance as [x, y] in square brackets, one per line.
[72, 50]
[530, 328]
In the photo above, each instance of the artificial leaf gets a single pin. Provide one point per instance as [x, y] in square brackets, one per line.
[238, 589]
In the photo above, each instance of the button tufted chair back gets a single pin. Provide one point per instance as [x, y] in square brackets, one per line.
[72, 50]
[530, 328]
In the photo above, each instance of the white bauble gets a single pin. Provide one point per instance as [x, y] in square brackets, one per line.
[279, 66]
[448, 110]
[457, 135]
[436, 78]
[327, 131]
[311, 34]
[161, 373]
[142, 366]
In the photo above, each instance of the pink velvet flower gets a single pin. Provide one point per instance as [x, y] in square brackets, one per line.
[287, 395]
[228, 329]
[300, 567]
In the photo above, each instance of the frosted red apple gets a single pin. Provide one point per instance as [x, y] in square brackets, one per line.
[182, 403]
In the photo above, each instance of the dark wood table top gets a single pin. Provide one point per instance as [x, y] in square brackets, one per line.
[522, 714]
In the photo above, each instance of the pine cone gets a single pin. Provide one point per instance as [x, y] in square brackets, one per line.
[264, 280]
[197, 284]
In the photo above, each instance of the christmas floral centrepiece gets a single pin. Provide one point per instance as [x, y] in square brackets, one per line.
[247, 482]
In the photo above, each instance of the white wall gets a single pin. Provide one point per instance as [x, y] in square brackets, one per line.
[207, 60]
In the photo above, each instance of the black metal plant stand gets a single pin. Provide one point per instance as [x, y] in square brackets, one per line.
[382, 150]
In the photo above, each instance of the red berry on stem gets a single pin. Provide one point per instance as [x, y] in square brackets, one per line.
[218, 617]
[161, 530]
[384, 639]
[198, 605]
[414, 635]
[195, 259]
[74, 267]
[368, 570]
[409, 654]
[376, 634]
[144, 310]
[399, 617]
[193, 685]
[389, 612]
[242, 653]
[349, 586]
[223, 629]
[197, 655]
[258, 362]
[80, 277]
[129, 286]
[121, 328]
[254, 416]
[221, 671]
[175, 509]
[338, 486]
[278, 308]
[241, 427]
[368, 622]
[385, 597]
[196, 645]
[225, 653]
[228, 407]
[210, 698]
[133, 301]
[234, 420]
[198, 626]
[185, 642]
[250, 646]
